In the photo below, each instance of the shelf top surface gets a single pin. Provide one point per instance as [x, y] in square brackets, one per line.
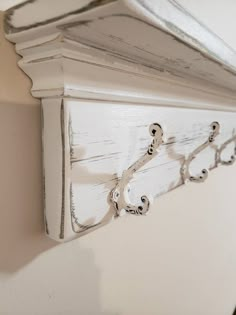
[157, 33]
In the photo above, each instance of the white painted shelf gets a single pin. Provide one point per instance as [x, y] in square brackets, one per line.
[105, 71]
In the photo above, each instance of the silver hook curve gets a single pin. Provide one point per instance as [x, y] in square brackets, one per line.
[185, 172]
[120, 194]
[232, 159]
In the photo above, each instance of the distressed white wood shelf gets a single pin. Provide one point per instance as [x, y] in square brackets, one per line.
[105, 71]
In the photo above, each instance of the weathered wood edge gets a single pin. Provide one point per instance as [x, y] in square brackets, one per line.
[204, 39]
[225, 55]
[9, 27]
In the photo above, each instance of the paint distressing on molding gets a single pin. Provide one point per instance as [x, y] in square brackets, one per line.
[105, 71]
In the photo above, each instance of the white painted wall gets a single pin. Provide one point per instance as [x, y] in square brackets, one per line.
[218, 15]
[179, 260]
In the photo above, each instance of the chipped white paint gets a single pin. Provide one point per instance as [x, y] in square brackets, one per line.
[101, 140]
[106, 70]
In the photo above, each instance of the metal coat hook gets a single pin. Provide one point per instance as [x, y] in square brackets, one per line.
[120, 194]
[232, 159]
[185, 172]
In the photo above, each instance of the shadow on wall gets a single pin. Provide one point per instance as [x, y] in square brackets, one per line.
[22, 236]
[21, 209]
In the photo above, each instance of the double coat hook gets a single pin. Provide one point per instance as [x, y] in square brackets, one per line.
[219, 159]
[120, 195]
[185, 172]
